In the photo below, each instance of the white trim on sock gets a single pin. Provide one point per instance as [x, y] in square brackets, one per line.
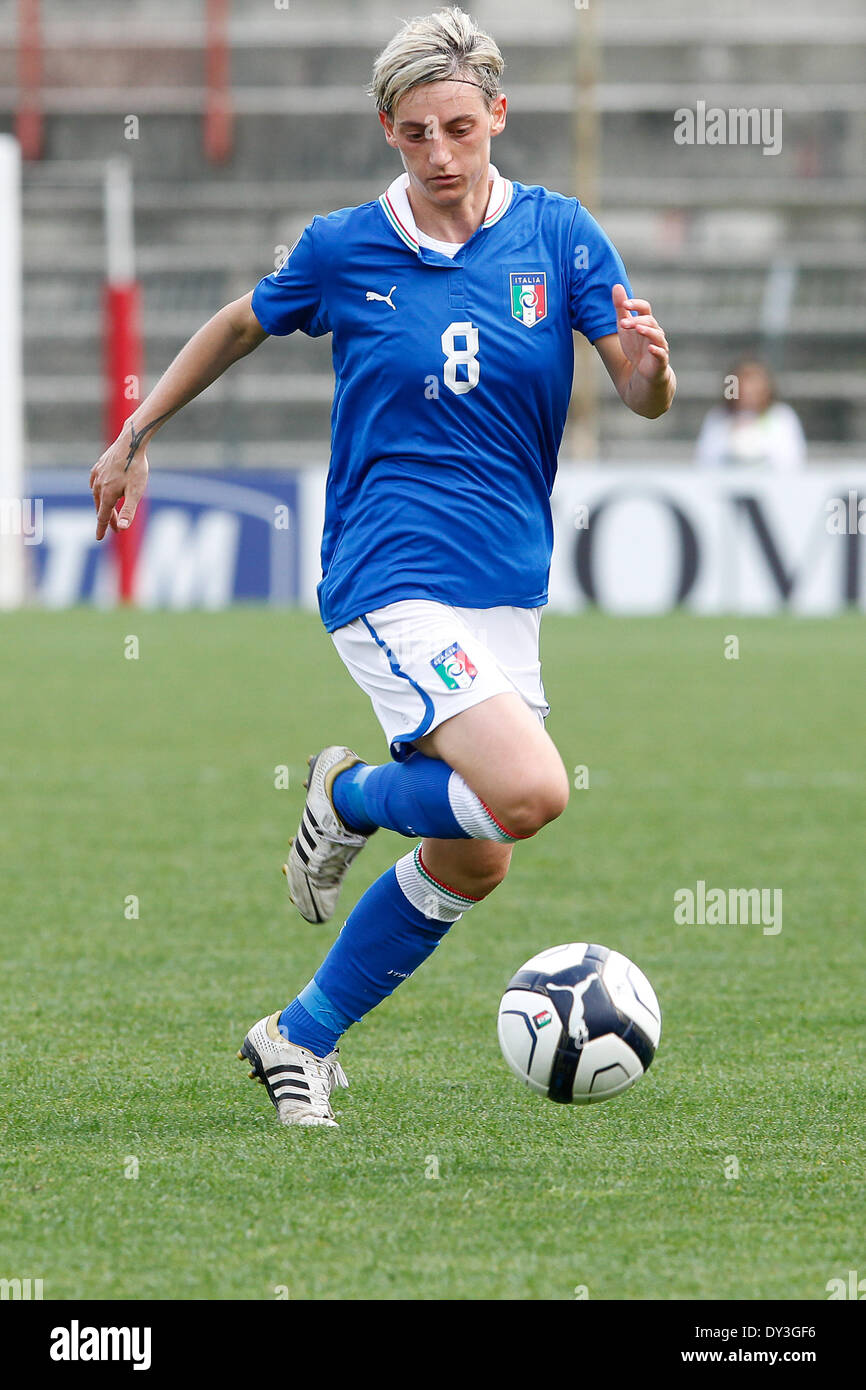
[435, 900]
[472, 815]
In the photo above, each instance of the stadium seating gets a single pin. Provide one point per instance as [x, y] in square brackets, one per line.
[735, 249]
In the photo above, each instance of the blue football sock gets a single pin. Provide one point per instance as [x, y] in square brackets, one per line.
[397, 924]
[300, 1027]
[415, 797]
[348, 798]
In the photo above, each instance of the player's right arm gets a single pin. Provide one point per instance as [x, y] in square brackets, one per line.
[122, 470]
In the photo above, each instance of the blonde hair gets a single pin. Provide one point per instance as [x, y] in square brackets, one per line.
[436, 48]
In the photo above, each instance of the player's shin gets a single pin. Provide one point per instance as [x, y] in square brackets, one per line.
[421, 796]
[397, 924]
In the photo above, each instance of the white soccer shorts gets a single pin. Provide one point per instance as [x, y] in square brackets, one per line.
[421, 662]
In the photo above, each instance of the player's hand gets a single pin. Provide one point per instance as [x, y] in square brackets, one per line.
[641, 337]
[113, 477]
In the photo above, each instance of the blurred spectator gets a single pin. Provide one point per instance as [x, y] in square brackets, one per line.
[752, 428]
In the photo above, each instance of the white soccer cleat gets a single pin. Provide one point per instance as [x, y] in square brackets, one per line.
[323, 848]
[298, 1082]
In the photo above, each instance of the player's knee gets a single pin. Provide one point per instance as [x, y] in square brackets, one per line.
[535, 803]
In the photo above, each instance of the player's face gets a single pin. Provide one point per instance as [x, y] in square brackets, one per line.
[443, 132]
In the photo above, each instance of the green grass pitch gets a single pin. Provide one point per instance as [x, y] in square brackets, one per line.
[154, 779]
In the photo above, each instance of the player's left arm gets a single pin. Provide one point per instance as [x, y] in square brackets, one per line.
[637, 357]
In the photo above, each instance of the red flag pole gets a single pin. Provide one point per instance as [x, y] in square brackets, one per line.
[28, 114]
[123, 348]
[218, 131]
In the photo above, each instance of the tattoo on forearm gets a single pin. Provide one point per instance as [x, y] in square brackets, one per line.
[136, 436]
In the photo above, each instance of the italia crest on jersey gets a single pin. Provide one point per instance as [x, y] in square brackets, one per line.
[454, 668]
[528, 296]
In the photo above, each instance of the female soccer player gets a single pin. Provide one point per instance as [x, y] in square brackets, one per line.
[451, 301]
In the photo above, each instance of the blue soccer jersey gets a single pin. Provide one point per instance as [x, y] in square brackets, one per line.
[453, 378]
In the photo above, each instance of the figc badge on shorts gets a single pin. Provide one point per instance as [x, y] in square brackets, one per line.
[528, 296]
[454, 668]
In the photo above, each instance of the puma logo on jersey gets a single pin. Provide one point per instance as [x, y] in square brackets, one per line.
[385, 298]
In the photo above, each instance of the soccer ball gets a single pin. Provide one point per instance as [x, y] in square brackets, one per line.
[579, 1023]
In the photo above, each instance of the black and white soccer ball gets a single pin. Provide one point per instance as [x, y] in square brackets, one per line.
[579, 1023]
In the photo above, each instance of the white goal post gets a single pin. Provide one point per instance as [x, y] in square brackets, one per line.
[12, 518]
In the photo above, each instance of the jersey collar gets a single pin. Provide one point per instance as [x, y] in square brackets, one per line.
[397, 208]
